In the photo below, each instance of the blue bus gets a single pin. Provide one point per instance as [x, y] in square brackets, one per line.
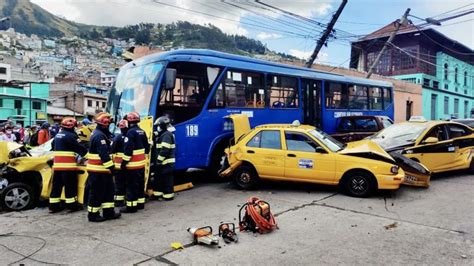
[197, 89]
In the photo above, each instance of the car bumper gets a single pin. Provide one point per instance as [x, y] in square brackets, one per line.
[390, 181]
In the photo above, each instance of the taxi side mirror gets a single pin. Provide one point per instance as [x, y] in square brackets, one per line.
[320, 150]
[430, 140]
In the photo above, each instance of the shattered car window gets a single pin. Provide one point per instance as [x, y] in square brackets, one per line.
[398, 135]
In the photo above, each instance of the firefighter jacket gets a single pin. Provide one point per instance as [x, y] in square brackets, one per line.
[65, 147]
[166, 149]
[98, 158]
[135, 148]
[117, 150]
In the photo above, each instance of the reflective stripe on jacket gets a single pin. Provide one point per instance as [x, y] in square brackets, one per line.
[98, 158]
[65, 147]
[135, 147]
[166, 148]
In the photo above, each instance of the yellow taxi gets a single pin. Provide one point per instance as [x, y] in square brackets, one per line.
[439, 145]
[303, 153]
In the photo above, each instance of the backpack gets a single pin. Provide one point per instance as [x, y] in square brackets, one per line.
[34, 139]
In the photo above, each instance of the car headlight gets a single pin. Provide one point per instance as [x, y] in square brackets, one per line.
[394, 169]
[3, 183]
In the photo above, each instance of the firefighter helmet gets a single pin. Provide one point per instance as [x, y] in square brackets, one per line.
[163, 122]
[103, 119]
[133, 117]
[68, 122]
[123, 124]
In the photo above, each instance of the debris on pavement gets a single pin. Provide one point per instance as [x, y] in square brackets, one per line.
[391, 226]
[177, 245]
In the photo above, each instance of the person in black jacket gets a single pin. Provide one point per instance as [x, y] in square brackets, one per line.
[133, 163]
[163, 185]
[117, 151]
[100, 168]
[66, 147]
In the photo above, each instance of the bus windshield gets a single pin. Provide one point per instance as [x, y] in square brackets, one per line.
[133, 89]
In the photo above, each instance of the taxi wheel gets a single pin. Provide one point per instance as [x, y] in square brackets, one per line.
[358, 184]
[17, 197]
[245, 177]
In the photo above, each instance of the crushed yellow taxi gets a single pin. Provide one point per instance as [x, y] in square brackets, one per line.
[441, 146]
[293, 152]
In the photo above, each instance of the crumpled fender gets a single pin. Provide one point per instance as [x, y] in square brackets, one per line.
[23, 164]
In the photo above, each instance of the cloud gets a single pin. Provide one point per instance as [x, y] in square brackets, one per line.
[268, 36]
[323, 9]
[321, 59]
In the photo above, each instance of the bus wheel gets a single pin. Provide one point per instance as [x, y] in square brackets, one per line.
[245, 177]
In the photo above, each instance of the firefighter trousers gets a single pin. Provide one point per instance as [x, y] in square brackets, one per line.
[163, 183]
[101, 194]
[134, 186]
[68, 180]
[119, 186]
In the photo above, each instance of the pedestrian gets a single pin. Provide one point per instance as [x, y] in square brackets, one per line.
[66, 147]
[133, 163]
[43, 134]
[8, 135]
[54, 130]
[117, 151]
[100, 168]
[163, 184]
[31, 137]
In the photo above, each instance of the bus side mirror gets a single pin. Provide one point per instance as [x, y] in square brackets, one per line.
[170, 78]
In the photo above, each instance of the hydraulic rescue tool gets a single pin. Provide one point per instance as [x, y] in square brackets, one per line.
[203, 235]
[227, 232]
[255, 216]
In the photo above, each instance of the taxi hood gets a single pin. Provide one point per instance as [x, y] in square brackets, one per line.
[367, 149]
[6, 148]
[241, 125]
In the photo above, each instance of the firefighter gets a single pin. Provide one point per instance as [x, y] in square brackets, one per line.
[65, 146]
[133, 163]
[163, 185]
[117, 151]
[100, 168]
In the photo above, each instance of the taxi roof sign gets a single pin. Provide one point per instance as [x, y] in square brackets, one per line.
[417, 118]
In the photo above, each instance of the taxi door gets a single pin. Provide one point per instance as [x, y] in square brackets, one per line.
[437, 156]
[463, 142]
[306, 160]
[264, 152]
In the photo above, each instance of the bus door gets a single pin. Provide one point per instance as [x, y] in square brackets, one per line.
[311, 90]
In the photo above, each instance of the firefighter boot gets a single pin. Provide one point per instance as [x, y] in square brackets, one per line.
[129, 209]
[95, 217]
[74, 207]
[110, 214]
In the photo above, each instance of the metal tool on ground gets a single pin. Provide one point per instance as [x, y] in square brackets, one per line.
[203, 235]
[227, 232]
[256, 216]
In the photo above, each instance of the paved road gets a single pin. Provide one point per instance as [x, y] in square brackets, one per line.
[317, 225]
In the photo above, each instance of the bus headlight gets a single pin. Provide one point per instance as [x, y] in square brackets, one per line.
[394, 169]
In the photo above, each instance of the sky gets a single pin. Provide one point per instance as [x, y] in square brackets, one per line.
[279, 32]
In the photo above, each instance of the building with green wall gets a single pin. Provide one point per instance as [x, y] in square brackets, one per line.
[23, 107]
[444, 67]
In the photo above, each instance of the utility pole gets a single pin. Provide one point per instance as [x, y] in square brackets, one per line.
[325, 35]
[398, 23]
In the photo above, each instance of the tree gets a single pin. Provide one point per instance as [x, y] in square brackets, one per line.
[143, 37]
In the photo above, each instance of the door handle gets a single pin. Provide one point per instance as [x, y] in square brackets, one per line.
[250, 151]
[291, 155]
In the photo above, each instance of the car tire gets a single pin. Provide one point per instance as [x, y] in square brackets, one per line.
[358, 184]
[17, 197]
[245, 177]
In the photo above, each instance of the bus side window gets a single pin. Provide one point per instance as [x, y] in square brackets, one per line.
[358, 97]
[241, 89]
[336, 96]
[282, 91]
[375, 98]
[387, 97]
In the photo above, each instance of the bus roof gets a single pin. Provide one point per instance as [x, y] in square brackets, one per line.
[244, 62]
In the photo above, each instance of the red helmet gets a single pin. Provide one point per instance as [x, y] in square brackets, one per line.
[68, 122]
[103, 119]
[133, 117]
[123, 124]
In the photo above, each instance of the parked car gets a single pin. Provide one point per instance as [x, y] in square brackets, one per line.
[304, 153]
[352, 128]
[439, 145]
[467, 122]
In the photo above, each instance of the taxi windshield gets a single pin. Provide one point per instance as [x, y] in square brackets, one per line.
[399, 135]
[133, 89]
[327, 140]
